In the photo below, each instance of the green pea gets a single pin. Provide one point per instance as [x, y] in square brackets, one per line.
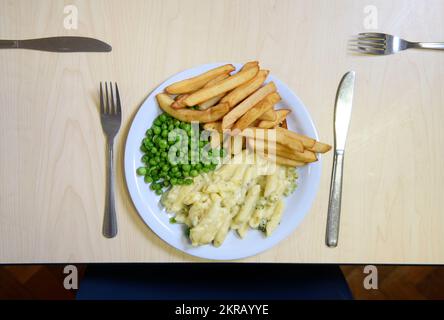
[156, 129]
[180, 181]
[194, 173]
[186, 167]
[173, 181]
[165, 167]
[176, 123]
[159, 192]
[205, 169]
[164, 154]
[148, 179]
[163, 144]
[163, 117]
[177, 174]
[145, 141]
[157, 159]
[175, 169]
[143, 148]
[145, 158]
[188, 181]
[170, 127]
[149, 132]
[165, 133]
[152, 162]
[198, 166]
[164, 126]
[201, 144]
[157, 122]
[141, 171]
[166, 183]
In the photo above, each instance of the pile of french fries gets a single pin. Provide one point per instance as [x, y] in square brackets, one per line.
[240, 106]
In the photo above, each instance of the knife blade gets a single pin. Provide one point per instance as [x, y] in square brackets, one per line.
[58, 44]
[342, 115]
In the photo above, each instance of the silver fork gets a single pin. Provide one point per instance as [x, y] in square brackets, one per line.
[384, 44]
[110, 117]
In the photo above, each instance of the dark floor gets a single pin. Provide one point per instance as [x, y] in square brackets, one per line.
[46, 282]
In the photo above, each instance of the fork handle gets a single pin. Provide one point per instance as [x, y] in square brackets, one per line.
[8, 44]
[110, 217]
[427, 45]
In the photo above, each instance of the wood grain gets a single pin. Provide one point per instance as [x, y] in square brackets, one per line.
[52, 147]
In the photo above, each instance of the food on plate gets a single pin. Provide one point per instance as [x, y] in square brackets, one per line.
[244, 90]
[280, 117]
[245, 193]
[247, 104]
[166, 149]
[254, 113]
[275, 148]
[274, 136]
[211, 102]
[221, 87]
[269, 115]
[210, 115]
[195, 83]
[235, 157]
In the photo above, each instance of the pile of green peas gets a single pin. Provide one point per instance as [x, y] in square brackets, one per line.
[157, 169]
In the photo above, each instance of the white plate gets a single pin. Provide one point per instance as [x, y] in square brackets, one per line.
[147, 202]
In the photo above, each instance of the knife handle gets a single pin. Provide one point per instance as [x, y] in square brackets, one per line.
[8, 44]
[334, 203]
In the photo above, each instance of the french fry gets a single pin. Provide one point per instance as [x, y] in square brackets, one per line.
[289, 162]
[306, 141]
[213, 101]
[178, 102]
[270, 115]
[196, 83]
[320, 147]
[243, 91]
[210, 115]
[277, 149]
[209, 103]
[254, 113]
[281, 114]
[273, 135]
[221, 87]
[250, 64]
[247, 104]
[309, 143]
[216, 80]
[216, 126]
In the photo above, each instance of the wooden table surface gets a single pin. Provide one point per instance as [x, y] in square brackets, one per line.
[52, 147]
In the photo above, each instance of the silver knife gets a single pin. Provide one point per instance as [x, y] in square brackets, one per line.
[343, 109]
[58, 44]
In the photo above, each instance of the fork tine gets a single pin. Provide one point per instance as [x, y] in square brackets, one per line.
[372, 40]
[372, 34]
[370, 50]
[371, 44]
[107, 110]
[113, 106]
[102, 110]
[119, 109]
